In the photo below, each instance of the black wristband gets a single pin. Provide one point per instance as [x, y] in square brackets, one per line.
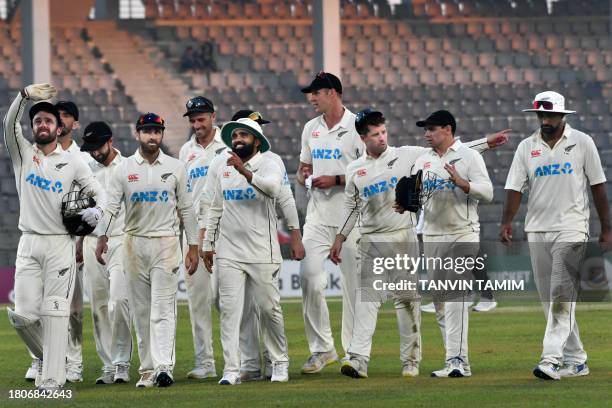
[338, 180]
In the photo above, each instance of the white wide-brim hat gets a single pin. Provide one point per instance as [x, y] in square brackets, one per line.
[244, 123]
[549, 101]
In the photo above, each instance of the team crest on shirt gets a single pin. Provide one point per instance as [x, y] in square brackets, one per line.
[536, 153]
[391, 163]
[191, 157]
[340, 134]
[568, 149]
[59, 166]
[165, 176]
[221, 150]
[316, 134]
[36, 160]
[132, 177]
[361, 172]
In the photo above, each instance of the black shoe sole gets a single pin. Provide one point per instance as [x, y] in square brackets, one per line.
[30, 379]
[350, 371]
[164, 380]
[541, 374]
[120, 381]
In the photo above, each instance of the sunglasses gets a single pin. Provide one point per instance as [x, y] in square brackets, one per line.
[546, 105]
[199, 102]
[255, 116]
[151, 118]
[363, 115]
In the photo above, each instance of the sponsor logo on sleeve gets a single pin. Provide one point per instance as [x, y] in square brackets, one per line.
[536, 153]
[132, 177]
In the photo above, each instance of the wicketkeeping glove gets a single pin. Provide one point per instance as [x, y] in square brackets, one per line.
[40, 92]
[408, 192]
[91, 215]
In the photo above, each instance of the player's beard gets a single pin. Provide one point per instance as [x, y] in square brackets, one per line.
[243, 150]
[101, 157]
[65, 131]
[44, 140]
[145, 147]
[548, 129]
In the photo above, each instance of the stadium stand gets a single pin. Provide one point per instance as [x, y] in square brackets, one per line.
[483, 60]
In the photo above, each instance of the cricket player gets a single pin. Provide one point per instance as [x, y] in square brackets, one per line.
[107, 285]
[69, 113]
[242, 231]
[153, 187]
[45, 269]
[451, 227]
[197, 154]
[370, 196]
[557, 164]
[329, 144]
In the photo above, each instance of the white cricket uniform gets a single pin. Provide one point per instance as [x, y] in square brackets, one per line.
[74, 350]
[152, 194]
[451, 221]
[45, 268]
[370, 196]
[242, 228]
[285, 204]
[199, 286]
[557, 226]
[107, 284]
[329, 151]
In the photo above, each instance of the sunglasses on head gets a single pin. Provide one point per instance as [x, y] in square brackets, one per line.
[255, 116]
[362, 115]
[546, 105]
[151, 118]
[198, 102]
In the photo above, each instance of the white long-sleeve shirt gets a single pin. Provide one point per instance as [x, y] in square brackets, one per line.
[329, 151]
[557, 179]
[449, 210]
[104, 176]
[152, 193]
[370, 189]
[197, 160]
[42, 180]
[285, 202]
[241, 223]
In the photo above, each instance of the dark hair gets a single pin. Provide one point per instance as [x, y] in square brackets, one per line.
[372, 119]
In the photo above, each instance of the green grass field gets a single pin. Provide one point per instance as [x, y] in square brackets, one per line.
[504, 347]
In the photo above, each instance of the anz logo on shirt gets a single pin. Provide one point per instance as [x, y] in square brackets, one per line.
[44, 184]
[326, 154]
[380, 187]
[149, 196]
[239, 194]
[555, 169]
[198, 172]
[438, 184]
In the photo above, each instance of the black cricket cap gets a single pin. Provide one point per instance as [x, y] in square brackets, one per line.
[95, 135]
[324, 80]
[439, 118]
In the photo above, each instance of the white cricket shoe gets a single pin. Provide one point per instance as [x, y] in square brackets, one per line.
[410, 369]
[428, 308]
[206, 370]
[33, 370]
[122, 374]
[74, 374]
[454, 368]
[49, 385]
[230, 379]
[574, 370]
[485, 306]
[147, 380]
[356, 367]
[317, 362]
[107, 377]
[280, 371]
[547, 371]
[164, 377]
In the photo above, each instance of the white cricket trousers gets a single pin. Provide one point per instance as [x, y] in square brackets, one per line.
[151, 266]
[200, 298]
[74, 349]
[45, 271]
[556, 258]
[407, 304]
[260, 279]
[110, 309]
[452, 316]
[318, 240]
